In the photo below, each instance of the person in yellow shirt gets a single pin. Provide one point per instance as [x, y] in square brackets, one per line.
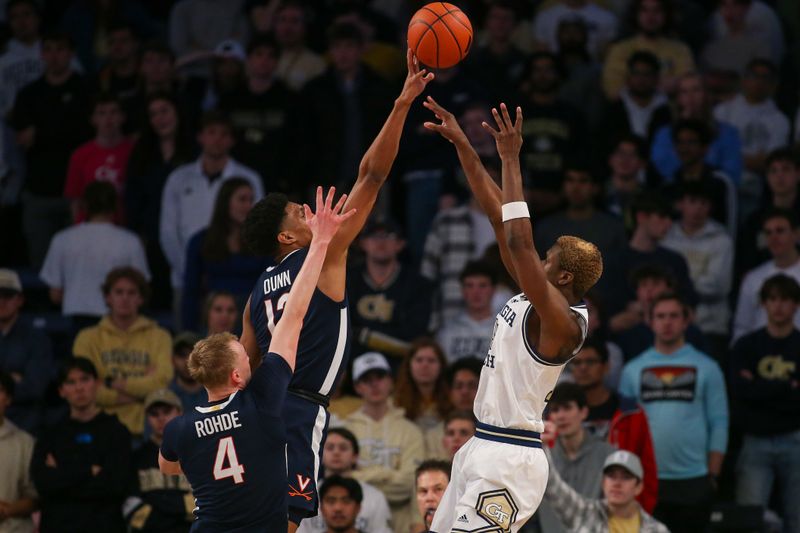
[133, 355]
[652, 19]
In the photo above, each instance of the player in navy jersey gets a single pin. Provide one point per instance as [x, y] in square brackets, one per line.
[276, 228]
[233, 449]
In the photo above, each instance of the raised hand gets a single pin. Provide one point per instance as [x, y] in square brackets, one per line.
[416, 80]
[449, 128]
[326, 220]
[508, 136]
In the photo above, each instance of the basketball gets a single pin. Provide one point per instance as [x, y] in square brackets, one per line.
[440, 35]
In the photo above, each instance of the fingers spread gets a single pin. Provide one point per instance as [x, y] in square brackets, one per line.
[320, 203]
[490, 129]
[340, 204]
[518, 123]
[329, 199]
[307, 211]
[506, 119]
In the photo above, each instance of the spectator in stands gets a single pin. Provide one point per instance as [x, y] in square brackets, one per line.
[260, 114]
[297, 63]
[26, 356]
[391, 446]
[628, 164]
[783, 192]
[692, 139]
[216, 258]
[733, 45]
[615, 418]
[431, 480]
[617, 511]
[597, 328]
[21, 62]
[165, 144]
[386, 310]
[220, 313]
[80, 257]
[190, 392]
[119, 76]
[468, 333]
[463, 376]
[708, 251]
[690, 435]
[652, 216]
[198, 26]
[340, 503]
[17, 493]
[652, 20]
[580, 216]
[577, 455]
[634, 333]
[81, 465]
[642, 107]
[190, 191]
[104, 158]
[156, 501]
[458, 235]
[227, 75]
[780, 227]
[497, 63]
[765, 393]
[50, 117]
[459, 427]
[344, 109]
[762, 126]
[581, 72]
[430, 167]
[693, 101]
[760, 21]
[88, 23]
[421, 391]
[340, 457]
[131, 353]
[602, 24]
[555, 130]
[156, 71]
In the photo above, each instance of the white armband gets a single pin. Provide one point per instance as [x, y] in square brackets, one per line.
[514, 210]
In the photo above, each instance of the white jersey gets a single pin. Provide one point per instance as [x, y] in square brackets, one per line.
[515, 381]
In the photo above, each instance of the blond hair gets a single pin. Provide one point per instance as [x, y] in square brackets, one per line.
[211, 360]
[583, 260]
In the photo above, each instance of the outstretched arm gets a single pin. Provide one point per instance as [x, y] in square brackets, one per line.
[379, 158]
[556, 322]
[480, 182]
[324, 224]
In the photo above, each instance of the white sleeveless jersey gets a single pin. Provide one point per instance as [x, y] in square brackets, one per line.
[515, 381]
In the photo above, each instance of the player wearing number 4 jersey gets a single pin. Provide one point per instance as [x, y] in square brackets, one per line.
[233, 449]
[275, 227]
[499, 477]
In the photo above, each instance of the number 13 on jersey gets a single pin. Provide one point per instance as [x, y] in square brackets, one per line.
[271, 312]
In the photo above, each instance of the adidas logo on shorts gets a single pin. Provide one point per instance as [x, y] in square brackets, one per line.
[463, 518]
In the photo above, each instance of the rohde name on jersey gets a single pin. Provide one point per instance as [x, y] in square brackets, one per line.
[215, 424]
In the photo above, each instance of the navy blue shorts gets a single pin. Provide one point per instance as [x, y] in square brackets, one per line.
[306, 428]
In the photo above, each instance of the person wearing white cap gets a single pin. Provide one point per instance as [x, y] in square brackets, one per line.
[391, 445]
[618, 510]
[26, 355]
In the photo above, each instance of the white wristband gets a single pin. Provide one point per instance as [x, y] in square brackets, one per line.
[514, 210]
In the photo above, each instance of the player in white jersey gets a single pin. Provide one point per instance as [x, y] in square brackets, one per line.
[500, 475]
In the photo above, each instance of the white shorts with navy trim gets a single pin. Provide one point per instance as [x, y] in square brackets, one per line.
[496, 484]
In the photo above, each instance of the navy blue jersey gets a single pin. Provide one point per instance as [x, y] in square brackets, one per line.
[233, 452]
[325, 337]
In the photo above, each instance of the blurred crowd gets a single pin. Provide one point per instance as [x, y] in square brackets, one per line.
[137, 134]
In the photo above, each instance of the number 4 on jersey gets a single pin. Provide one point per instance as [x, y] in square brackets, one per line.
[226, 451]
[271, 312]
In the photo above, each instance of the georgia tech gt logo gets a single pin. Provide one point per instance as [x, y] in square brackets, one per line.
[498, 507]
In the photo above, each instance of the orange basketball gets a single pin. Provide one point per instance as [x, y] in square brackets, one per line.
[440, 35]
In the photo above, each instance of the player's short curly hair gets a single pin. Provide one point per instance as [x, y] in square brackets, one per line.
[263, 223]
[211, 360]
[583, 260]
